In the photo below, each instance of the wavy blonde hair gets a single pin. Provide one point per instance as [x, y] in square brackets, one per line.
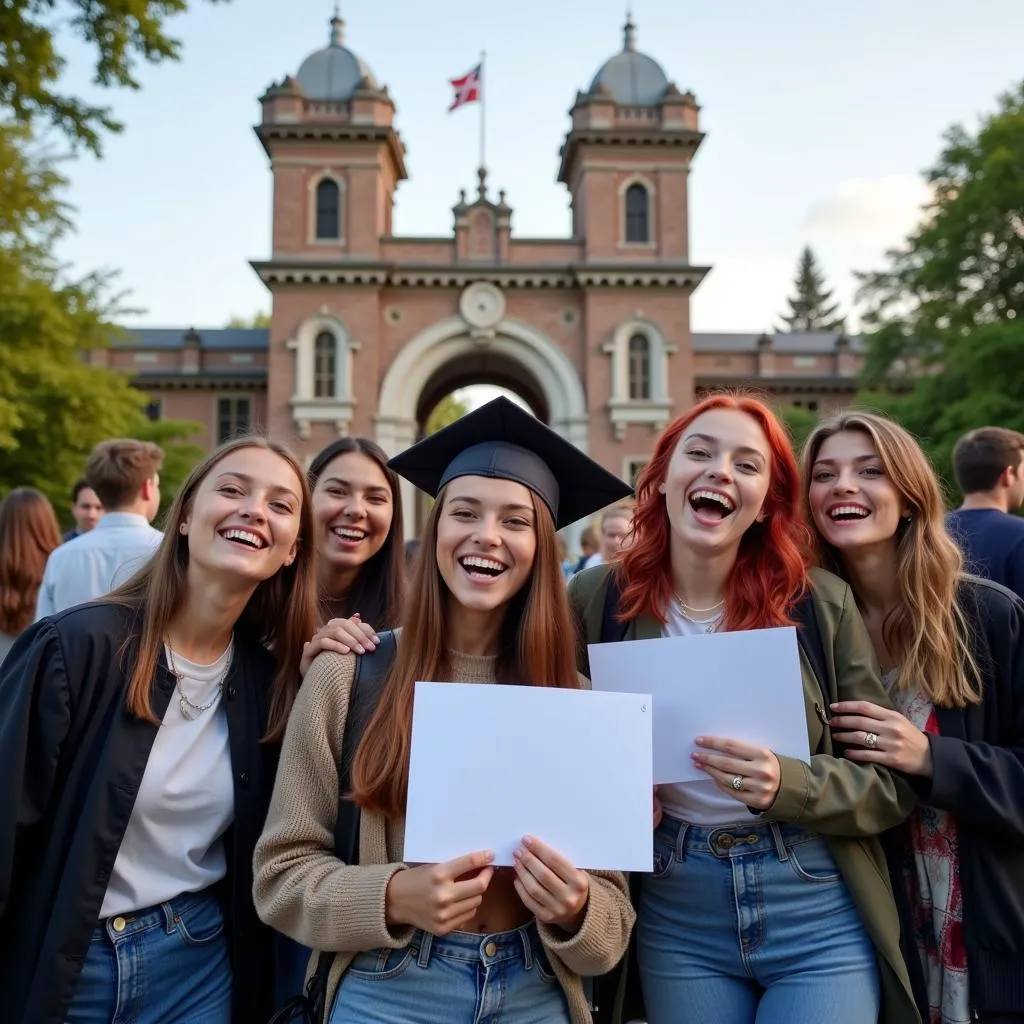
[927, 632]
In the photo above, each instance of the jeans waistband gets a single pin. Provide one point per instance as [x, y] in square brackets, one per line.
[518, 944]
[731, 841]
[163, 915]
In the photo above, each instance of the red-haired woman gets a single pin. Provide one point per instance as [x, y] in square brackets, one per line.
[28, 533]
[460, 941]
[769, 899]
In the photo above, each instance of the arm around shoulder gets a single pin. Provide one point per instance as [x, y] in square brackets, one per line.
[602, 938]
[833, 795]
[300, 886]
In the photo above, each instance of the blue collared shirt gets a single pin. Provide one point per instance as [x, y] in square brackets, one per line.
[97, 562]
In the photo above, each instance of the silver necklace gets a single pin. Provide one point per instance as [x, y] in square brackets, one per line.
[709, 624]
[190, 711]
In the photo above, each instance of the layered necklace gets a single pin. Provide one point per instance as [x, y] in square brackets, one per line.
[712, 615]
[190, 711]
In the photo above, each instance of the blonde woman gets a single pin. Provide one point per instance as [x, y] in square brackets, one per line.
[951, 648]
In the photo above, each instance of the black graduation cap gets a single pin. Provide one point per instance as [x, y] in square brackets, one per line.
[501, 440]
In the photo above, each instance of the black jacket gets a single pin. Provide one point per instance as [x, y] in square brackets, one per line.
[978, 775]
[71, 762]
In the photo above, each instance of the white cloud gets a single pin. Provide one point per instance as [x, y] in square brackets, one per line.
[742, 293]
[879, 211]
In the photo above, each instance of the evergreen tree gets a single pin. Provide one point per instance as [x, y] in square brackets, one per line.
[811, 308]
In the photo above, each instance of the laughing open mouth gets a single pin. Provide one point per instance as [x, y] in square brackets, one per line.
[712, 502]
[482, 567]
[847, 513]
[246, 538]
[350, 533]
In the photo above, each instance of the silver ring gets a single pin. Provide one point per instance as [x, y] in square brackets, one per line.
[737, 782]
[870, 739]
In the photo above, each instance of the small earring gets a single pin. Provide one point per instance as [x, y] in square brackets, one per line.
[907, 518]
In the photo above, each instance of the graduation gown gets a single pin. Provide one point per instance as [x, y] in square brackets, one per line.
[71, 763]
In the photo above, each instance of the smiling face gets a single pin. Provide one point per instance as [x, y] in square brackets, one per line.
[486, 540]
[87, 510]
[717, 480]
[353, 509]
[245, 517]
[853, 502]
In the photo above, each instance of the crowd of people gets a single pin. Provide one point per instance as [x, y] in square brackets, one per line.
[205, 731]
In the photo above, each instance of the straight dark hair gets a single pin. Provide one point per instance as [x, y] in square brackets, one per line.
[378, 593]
[280, 614]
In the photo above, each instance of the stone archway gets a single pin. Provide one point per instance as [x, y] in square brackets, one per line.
[451, 343]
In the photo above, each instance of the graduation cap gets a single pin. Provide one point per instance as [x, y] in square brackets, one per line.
[502, 441]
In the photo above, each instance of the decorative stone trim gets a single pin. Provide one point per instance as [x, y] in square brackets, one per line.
[307, 408]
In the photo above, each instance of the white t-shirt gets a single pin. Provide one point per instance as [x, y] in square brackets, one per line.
[174, 840]
[699, 803]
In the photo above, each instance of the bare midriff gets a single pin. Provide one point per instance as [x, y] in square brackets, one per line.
[502, 909]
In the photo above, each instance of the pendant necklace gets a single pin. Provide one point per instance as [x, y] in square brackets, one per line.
[190, 711]
[709, 624]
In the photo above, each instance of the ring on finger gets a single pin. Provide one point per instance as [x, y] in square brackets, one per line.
[871, 740]
[737, 782]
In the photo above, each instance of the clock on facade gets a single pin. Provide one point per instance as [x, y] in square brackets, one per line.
[482, 305]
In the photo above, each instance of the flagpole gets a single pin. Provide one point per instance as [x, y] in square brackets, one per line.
[483, 115]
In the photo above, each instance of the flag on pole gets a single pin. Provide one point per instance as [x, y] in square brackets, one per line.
[468, 88]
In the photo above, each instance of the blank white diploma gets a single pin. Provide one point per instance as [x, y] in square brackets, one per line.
[740, 686]
[493, 763]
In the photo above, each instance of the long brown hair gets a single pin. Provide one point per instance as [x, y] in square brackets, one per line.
[280, 614]
[378, 592]
[926, 632]
[28, 533]
[770, 573]
[537, 647]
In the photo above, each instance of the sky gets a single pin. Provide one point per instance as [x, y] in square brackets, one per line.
[820, 118]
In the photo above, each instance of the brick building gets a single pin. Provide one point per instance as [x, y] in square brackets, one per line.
[370, 330]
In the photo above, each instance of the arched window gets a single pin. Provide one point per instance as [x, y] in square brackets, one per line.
[639, 367]
[325, 365]
[328, 209]
[637, 213]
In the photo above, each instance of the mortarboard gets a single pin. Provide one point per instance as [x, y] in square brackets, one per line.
[501, 440]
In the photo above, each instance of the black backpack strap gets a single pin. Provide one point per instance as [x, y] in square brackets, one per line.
[367, 686]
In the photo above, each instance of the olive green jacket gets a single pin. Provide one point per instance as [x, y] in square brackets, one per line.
[849, 804]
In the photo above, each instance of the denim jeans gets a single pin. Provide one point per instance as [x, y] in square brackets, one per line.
[165, 965]
[458, 978]
[751, 923]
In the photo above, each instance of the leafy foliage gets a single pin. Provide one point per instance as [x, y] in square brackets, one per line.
[258, 319]
[811, 308]
[445, 413]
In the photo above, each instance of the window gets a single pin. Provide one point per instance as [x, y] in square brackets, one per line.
[234, 417]
[154, 410]
[634, 467]
[324, 365]
[639, 368]
[328, 209]
[637, 202]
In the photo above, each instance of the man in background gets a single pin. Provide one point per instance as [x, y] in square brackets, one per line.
[85, 507]
[125, 475]
[616, 533]
[989, 467]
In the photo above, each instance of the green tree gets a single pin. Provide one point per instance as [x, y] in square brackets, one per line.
[181, 453]
[259, 319]
[117, 34]
[446, 412]
[799, 422]
[811, 308]
[946, 316]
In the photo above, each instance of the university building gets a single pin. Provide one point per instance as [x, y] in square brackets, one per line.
[370, 330]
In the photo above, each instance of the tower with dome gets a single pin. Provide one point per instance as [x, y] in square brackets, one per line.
[369, 330]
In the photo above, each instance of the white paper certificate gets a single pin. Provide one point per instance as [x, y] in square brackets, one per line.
[492, 763]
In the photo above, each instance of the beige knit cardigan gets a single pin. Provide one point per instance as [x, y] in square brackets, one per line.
[303, 890]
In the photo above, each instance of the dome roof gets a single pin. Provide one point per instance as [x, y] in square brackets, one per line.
[629, 77]
[333, 73]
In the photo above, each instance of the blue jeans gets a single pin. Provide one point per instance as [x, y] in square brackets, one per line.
[751, 923]
[458, 978]
[165, 965]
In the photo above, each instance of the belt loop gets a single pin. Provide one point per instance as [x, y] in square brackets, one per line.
[169, 918]
[780, 843]
[680, 851]
[426, 941]
[527, 941]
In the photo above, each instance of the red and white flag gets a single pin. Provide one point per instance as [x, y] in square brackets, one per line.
[468, 88]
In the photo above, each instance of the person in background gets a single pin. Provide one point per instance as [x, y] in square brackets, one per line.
[29, 531]
[138, 741]
[563, 557]
[616, 529]
[951, 647]
[588, 548]
[86, 507]
[125, 475]
[989, 469]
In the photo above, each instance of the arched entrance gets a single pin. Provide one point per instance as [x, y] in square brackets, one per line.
[449, 355]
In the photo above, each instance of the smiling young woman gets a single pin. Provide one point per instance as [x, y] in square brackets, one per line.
[952, 647]
[768, 901]
[439, 941]
[138, 751]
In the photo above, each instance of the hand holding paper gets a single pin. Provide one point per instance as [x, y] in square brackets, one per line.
[549, 886]
[438, 898]
[758, 770]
